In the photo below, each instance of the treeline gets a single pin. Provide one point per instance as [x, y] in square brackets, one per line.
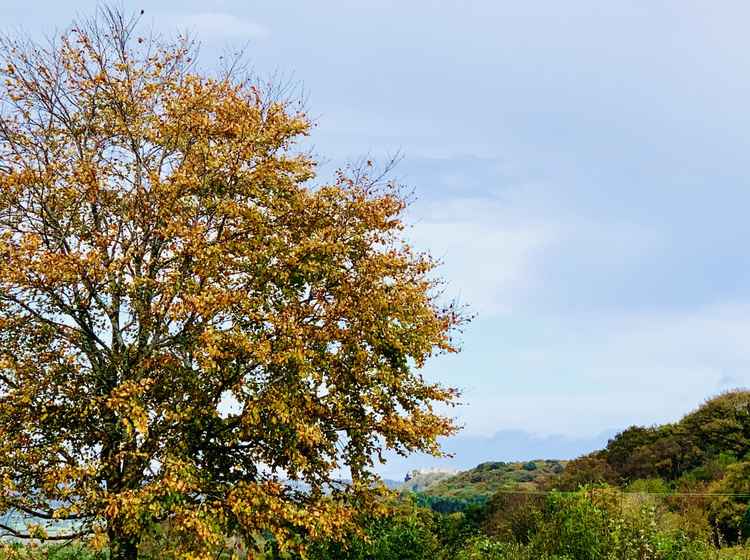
[706, 454]
[448, 504]
[697, 446]
[593, 523]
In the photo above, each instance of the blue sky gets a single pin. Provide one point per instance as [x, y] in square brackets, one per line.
[579, 166]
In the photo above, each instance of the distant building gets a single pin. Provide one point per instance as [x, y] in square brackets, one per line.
[414, 473]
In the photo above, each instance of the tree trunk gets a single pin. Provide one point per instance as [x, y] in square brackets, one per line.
[122, 547]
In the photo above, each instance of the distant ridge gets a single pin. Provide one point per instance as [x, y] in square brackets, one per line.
[469, 450]
[485, 479]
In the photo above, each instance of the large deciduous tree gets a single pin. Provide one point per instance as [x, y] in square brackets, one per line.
[195, 335]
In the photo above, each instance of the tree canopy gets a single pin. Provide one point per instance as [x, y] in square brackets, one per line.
[699, 445]
[195, 334]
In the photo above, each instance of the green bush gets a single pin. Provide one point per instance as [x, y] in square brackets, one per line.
[485, 548]
[491, 466]
[648, 485]
[596, 523]
[574, 526]
[513, 517]
[408, 534]
[730, 514]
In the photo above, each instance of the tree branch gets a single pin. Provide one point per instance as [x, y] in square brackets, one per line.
[10, 531]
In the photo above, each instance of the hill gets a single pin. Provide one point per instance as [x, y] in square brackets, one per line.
[487, 478]
[697, 448]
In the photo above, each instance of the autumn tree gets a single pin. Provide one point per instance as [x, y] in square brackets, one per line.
[722, 424]
[196, 335]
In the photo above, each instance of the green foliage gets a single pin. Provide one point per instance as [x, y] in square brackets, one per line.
[456, 529]
[50, 552]
[513, 517]
[703, 443]
[589, 469]
[649, 486]
[714, 468]
[408, 534]
[491, 466]
[730, 514]
[485, 548]
[487, 478]
[595, 523]
[574, 527]
[722, 424]
[442, 504]
[665, 451]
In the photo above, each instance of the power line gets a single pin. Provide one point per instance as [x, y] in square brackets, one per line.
[623, 492]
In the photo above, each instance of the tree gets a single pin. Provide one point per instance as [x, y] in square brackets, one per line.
[194, 336]
[729, 510]
[585, 470]
[622, 447]
[722, 424]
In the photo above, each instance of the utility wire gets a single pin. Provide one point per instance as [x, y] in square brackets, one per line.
[663, 494]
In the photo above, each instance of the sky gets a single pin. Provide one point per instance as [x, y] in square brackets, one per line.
[579, 167]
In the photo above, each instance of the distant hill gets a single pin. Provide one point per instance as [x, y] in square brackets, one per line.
[487, 478]
[393, 484]
[697, 450]
[468, 450]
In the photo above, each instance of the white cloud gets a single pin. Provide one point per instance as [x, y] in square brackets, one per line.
[486, 267]
[487, 256]
[494, 248]
[595, 372]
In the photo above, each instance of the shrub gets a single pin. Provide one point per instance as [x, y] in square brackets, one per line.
[513, 517]
[599, 523]
[730, 514]
[649, 485]
[490, 466]
[484, 548]
[407, 534]
[573, 526]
